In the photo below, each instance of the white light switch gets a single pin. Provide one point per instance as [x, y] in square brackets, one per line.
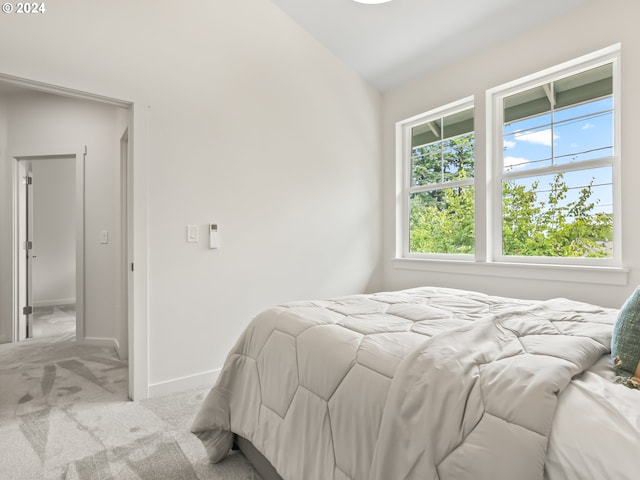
[192, 234]
[104, 236]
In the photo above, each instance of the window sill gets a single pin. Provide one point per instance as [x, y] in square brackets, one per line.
[560, 273]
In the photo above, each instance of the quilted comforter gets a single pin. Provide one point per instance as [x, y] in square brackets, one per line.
[427, 383]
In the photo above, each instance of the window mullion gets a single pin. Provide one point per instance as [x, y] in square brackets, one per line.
[569, 167]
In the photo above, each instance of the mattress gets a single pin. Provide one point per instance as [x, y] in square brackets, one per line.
[422, 383]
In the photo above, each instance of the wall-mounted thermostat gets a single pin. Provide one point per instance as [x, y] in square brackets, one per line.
[214, 236]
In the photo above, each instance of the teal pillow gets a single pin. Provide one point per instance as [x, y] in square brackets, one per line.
[625, 342]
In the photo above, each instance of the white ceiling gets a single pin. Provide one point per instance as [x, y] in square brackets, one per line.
[392, 43]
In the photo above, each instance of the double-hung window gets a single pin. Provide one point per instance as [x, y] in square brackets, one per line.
[554, 167]
[548, 189]
[439, 166]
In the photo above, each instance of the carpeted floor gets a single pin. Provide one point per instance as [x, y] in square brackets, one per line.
[64, 415]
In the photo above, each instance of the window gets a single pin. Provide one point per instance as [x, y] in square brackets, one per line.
[548, 189]
[554, 178]
[440, 168]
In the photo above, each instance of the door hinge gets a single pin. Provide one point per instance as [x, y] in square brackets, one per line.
[28, 245]
[28, 310]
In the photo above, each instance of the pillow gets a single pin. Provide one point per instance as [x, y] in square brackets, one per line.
[625, 342]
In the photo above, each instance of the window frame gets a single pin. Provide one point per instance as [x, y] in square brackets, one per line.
[484, 262]
[404, 175]
[495, 150]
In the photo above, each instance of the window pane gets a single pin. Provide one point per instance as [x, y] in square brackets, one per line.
[563, 215]
[442, 149]
[459, 123]
[446, 161]
[426, 165]
[458, 158]
[580, 136]
[528, 145]
[442, 221]
[564, 121]
[589, 108]
[425, 133]
[523, 105]
[583, 87]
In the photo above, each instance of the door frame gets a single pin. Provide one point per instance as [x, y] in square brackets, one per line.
[24, 206]
[43, 153]
[138, 217]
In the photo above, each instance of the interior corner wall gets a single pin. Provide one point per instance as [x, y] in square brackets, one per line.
[568, 36]
[252, 125]
[38, 121]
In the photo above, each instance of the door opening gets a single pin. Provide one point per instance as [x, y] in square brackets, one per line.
[49, 245]
[135, 144]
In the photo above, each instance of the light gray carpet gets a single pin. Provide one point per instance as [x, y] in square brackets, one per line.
[64, 415]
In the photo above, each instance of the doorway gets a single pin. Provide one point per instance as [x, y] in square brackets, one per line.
[135, 114]
[49, 245]
[47, 273]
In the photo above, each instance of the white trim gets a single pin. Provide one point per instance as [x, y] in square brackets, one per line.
[138, 327]
[62, 91]
[403, 174]
[26, 153]
[576, 65]
[495, 171]
[100, 342]
[199, 380]
[528, 271]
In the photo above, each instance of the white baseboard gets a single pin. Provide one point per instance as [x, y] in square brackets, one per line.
[101, 342]
[54, 303]
[205, 379]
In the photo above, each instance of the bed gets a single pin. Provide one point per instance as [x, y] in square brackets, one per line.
[426, 383]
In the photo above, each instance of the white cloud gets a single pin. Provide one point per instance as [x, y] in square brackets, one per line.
[509, 144]
[588, 126]
[541, 137]
[514, 162]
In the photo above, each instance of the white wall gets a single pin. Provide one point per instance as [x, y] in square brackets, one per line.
[253, 125]
[592, 27]
[41, 123]
[54, 231]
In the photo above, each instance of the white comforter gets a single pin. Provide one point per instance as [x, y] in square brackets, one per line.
[426, 383]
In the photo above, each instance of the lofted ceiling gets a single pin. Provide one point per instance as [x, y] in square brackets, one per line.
[393, 43]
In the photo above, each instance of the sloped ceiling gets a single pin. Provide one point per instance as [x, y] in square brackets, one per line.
[393, 43]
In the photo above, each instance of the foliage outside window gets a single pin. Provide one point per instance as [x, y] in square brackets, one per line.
[556, 176]
[441, 191]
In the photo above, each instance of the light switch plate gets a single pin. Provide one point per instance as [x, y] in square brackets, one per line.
[104, 236]
[193, 234]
